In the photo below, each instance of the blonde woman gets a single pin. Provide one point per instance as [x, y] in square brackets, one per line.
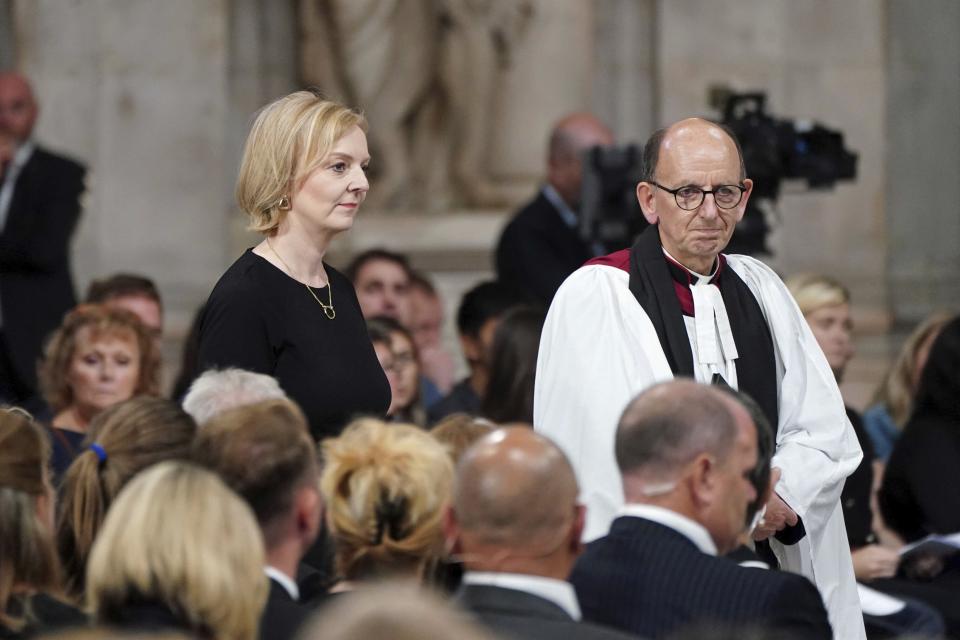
[280, 309]
[29, 571]
[384, 486]
[166, 559]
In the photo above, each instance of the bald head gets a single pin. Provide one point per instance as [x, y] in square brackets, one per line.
[669, 424]
[570, 137]
[514, 489]
[18, 109]
[694, 137]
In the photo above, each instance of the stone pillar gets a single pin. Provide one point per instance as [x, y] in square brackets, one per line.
[922, 189]
[7, 44]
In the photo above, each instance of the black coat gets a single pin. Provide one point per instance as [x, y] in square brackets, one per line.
[516, 614]
[36, 286]
[282, 615]
[648, 579]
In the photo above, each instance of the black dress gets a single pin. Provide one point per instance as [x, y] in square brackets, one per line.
[260, 319]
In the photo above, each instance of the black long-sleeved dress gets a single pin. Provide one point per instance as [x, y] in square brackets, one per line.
[260, 319]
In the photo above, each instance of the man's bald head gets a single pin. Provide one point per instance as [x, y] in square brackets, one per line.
[515, 489]
[18, 108]
[569, 138]
[692, 132]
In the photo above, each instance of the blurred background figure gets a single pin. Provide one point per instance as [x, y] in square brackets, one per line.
[384, 487]
[477, 318]
[40, 196]
[134, 293]
[400, 360]
[217, 391]
[426, 325]
[123, 441]
[458, 431]
[97, 358]
[825, 303]
[31, 595]
[382, 281]
[149, 572]
[513, 367]
[893, 403]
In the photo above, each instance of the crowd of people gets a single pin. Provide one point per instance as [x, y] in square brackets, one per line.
[649, 443]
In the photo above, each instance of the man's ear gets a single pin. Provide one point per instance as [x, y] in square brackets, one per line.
[309, 511]
[702, 480]
[451, 530]
[576, 529]
[648, 204]
[742, 206]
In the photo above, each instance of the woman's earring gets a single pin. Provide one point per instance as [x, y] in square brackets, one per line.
[284, 203]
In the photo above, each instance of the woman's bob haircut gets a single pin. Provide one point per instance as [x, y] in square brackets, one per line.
[289, 138]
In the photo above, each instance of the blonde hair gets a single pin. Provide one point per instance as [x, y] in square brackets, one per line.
[27, 556]
[897, 390]
[814, 291]
[134, 435]
[289, 138]
[177, 536]
[385, 486]
[102, 321]
[458, 431]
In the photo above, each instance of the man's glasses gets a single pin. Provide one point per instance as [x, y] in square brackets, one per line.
[689, 197]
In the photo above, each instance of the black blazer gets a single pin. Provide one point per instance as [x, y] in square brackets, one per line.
[36, 287]
[282, 615]
[516, 614]
[537, 251]
[648, 579]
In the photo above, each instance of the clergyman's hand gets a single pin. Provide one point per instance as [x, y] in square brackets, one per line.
[777, 517]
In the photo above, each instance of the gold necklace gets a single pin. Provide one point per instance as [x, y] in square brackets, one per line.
[328, 309]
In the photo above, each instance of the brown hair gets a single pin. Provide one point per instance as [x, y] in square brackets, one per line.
[27, 555]
[132, 435]
[384, 486]
[263, 452]
[102, 320]
[458, 431]
[289, 138]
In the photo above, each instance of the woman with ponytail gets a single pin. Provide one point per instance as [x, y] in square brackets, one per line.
[121, 441]
[29, 571]
[385, 486]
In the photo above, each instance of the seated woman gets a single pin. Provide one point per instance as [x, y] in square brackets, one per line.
[29, 571]
[122, 441]
[179, 551]
[398, 356]
[513, 366]
[384, 487]
[95, 359]
[885, 418]
[919, 493]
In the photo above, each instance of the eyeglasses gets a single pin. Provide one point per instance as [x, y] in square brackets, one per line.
[690, 197]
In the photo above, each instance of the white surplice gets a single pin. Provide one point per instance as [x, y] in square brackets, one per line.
[599, 349]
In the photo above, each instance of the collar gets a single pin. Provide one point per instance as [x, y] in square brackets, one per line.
[23, 153]
[683, 279]
[568, 215]
[693, 531]
[558, 592]
[284, 581]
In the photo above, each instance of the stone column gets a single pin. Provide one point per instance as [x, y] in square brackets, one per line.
[923, 159]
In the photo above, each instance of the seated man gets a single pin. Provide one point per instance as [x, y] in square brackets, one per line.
[686, 454]
[477, 319]
[516, 523]
[264, 453]
[382, 281]
[134, 293]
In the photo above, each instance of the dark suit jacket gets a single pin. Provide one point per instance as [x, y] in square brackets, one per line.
[537, 250]
[36, 287]
[282, 616]
[516, 614]
[648, 579]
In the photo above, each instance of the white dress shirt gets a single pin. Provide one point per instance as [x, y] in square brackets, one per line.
[558, 592]
[20, 158]
[693, 531]
[284, 580]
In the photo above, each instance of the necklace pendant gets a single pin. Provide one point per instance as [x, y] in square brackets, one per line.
[330, 312]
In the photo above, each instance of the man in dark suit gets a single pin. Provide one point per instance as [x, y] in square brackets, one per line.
[39, 208]
[541, 245]
[516, 524]
[686, 453]
[264, 452]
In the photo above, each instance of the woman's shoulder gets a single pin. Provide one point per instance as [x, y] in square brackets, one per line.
[247, 282]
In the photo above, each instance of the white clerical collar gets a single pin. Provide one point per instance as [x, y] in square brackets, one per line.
[701, 279]
[558, 592]
[693, 531]
[283, 580]
[567, 214]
